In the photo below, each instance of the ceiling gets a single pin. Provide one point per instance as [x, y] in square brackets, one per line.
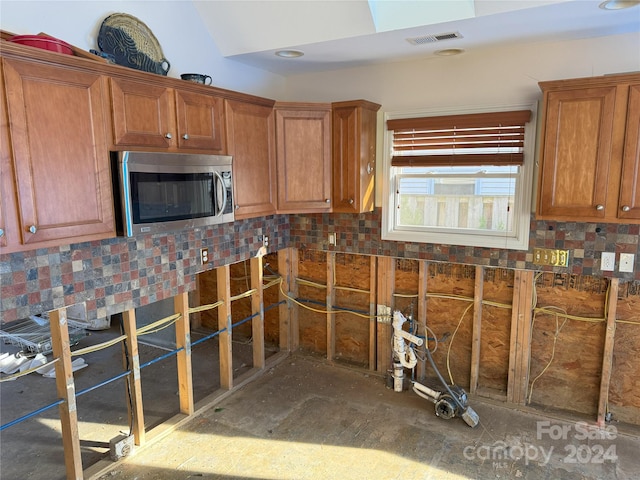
[335, 34]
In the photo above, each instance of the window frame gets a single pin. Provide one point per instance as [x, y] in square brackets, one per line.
[522, 199]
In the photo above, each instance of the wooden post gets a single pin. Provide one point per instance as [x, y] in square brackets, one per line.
[183, 340]
[423, 271]
[331, 299]
[386, 277]
[134, 385]
[289, 329]
[520, 343]
[607, 356]
[224, 322]
[257, 309]
[373, 325]
[477, 326]
[65, 388]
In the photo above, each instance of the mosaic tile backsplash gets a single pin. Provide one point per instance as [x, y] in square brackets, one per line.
[121, 273]
[362, 234]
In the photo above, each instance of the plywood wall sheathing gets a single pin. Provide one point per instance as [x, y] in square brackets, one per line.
[493, 373]
[240, 282]
[624, 388]
[208, 294]
[445, 315]
[312, 266]
[577, 356]
[352, 285]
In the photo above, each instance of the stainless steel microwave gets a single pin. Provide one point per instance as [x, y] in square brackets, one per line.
[161, 192]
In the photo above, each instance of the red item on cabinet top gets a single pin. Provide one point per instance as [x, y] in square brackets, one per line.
[44, 42]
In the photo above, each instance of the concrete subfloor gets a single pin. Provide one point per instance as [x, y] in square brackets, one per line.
[306, 419]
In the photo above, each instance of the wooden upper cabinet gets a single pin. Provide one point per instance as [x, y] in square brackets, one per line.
[251, 142]
[303, 132]
[155, 116]
[60, 155]
[589, 161]
[629, 202]
[354, 125]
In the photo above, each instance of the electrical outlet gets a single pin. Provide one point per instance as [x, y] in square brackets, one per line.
[204, 255]
[332, 238]
[626, 262]
[608, 261]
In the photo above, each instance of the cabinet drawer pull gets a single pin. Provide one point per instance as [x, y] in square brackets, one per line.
[185, 136]
[626, 208]
[168, 135]
[599, 207]
[33, 229]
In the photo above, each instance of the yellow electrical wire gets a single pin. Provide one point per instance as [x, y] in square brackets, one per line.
[13, 376]
[451, 341]
[99, 346]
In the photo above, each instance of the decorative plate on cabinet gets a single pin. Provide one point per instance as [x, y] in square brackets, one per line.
[132, 44]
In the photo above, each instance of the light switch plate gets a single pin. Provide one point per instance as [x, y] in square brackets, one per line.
[626, 262]
[608, 261]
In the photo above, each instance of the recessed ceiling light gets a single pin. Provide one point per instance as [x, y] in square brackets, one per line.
[289, 53]
[449, 52]
[619, 4]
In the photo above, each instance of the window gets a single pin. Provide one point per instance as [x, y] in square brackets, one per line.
[461, 179]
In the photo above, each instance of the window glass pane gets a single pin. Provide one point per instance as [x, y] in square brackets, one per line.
[470, 202]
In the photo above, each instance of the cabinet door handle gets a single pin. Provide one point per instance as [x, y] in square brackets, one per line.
[369, 168]
[33, 229]
[237, 206]
[168, 135]
[328, 200]
[185, 136]
[351, 201]
[626, 208]
[599, 207]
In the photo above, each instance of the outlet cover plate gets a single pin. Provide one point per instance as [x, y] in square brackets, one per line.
[626, 262]
[608, 261]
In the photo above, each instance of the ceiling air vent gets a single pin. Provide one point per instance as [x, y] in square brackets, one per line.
[433, 38]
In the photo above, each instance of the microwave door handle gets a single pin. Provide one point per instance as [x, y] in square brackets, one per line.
[224, 195]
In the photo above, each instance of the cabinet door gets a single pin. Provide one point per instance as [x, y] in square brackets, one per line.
[354, 151]
[143, 114]
[576, 153]
[629, 204]
[251, 142]
[200, 122]
[8, 221]
[60, 154]
[304, 159]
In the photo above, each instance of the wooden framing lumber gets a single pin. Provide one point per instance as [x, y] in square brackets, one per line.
[520, 342]
[224, 322]
[289, 327]
[607, 355]
[386, 278]
[331, 300]
[257, 309]
[372, 312]
[183, 357]
[135, 384]
[66, 391]
[477, 327]
[423, 270]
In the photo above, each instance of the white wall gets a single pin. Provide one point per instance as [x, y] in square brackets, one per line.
[184, 40]
[496, 76]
